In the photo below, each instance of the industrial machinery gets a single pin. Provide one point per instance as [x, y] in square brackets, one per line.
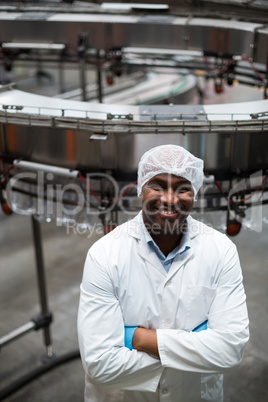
[75, 162]
[105, 142]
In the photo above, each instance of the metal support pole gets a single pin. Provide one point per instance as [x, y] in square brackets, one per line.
[41, 281]
[83, 78]
[17, 333]
[61, 76]
[99, 77]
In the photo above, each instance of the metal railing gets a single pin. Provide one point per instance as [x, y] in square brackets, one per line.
[178, 123]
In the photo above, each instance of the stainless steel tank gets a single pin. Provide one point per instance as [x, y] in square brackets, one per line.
[230, 138]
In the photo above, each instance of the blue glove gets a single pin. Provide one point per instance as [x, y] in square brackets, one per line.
[201, 327]
[129, 333]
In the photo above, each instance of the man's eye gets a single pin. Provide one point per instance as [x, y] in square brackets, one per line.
[155, 187]
[183, 189]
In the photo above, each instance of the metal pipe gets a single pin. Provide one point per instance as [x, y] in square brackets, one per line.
[83, 79]
[99, 77]
[16, 333]
[33, 45]
[61, 77]
[46, 168]
[158, 51]
[41, 280]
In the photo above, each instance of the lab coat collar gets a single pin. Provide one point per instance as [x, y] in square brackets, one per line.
[135, 229]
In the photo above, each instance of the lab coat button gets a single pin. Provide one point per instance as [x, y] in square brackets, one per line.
[164, 391]
[166, 323]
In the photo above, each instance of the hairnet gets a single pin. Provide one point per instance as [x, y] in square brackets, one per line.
[171, 159]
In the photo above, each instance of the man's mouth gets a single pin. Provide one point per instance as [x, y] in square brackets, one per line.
[168, 213]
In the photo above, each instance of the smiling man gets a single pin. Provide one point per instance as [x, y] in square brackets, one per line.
[162, 309]
[166, 202]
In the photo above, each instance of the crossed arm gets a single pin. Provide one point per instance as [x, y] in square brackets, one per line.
[145, 340]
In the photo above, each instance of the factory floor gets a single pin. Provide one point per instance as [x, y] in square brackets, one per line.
[64, 253]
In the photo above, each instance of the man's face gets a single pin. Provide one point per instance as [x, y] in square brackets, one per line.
[166, 202]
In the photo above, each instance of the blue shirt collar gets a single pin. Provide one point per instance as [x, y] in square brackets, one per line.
[166, 260]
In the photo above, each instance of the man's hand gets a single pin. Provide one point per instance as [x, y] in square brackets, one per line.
[145, 340]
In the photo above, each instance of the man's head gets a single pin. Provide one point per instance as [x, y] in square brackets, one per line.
[169, 178]
[171, 159]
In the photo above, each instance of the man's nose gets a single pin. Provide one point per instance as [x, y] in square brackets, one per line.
[169, 196]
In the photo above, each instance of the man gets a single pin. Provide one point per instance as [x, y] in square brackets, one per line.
[162, 309]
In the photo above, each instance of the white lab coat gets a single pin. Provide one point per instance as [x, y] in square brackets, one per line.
[125, 284]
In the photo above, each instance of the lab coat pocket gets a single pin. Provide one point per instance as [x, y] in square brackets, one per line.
[199, 299]
[212, 387]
